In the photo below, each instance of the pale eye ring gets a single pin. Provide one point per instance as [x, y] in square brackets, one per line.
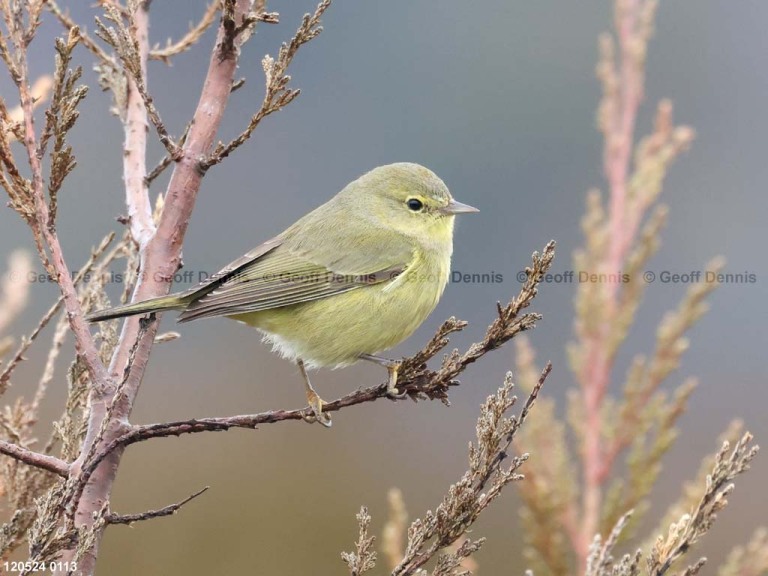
[414, 204]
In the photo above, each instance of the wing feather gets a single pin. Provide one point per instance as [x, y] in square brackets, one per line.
[281, 277]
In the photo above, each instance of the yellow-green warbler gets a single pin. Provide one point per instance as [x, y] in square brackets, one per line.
[353, 277]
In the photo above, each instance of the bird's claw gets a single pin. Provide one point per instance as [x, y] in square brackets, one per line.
[392, 391]
[315, 412]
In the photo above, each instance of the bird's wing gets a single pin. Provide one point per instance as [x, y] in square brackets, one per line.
[282, 272]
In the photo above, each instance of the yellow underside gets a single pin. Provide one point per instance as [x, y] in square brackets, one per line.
[334, 331]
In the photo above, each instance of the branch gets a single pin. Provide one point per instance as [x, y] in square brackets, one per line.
[159, 260]
[277, 95]
[5, 375]
[364, 556]
[415, 380]
[691, 527]
[85, 39]
[190, 38]
[478, 487]
[165, 161]
[132, 47]
[84, 343]
[135, 147]
[43, 461]
[169, 510]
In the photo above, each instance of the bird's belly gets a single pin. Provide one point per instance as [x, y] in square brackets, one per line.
[334, 331]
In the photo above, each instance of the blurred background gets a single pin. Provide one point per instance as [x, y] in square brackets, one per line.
[498, 99]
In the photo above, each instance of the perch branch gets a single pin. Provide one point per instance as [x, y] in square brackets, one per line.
[415, 379]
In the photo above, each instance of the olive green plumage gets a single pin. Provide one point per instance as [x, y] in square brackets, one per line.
[353, 277]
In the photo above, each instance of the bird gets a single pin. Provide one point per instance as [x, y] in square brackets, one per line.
[347, 281]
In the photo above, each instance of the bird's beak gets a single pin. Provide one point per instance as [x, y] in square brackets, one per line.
[457, 208]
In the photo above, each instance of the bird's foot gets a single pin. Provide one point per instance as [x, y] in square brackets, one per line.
[392, 392]
[315, 412]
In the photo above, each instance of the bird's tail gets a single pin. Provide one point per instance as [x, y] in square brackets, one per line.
[172, 302]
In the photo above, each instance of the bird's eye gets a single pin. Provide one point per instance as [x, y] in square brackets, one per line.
[414, 204]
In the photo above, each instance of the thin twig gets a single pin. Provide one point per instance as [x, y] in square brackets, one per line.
[277, 94]
[5, 375]
[85, 39]
[169, 510]
[84, 343]
[164, 162]
[190, 38]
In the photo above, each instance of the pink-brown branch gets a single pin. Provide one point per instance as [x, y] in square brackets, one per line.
[135, 147]
[595, 377]
[50, 463]
[84, 344]
[159, 260]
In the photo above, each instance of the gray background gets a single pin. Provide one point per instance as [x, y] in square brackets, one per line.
[499, 99]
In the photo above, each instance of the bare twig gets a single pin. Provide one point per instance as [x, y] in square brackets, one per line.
[691, 527]
[169, 510]
[277, 95]
[131, 44]
[164, 162]
[5, 375]
[190, 38]
[43, 461]
[57, 266]
[85, 39]
[59, 335]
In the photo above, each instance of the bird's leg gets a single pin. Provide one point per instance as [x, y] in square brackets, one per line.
[314, 400]
[392, 367]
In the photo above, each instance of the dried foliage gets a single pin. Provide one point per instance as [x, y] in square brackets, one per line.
[60, 489]
[189, 40]
[434, 535]
[277, 94]
[678, 538]
[44, 482]
[569, 524]
[364, 557]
